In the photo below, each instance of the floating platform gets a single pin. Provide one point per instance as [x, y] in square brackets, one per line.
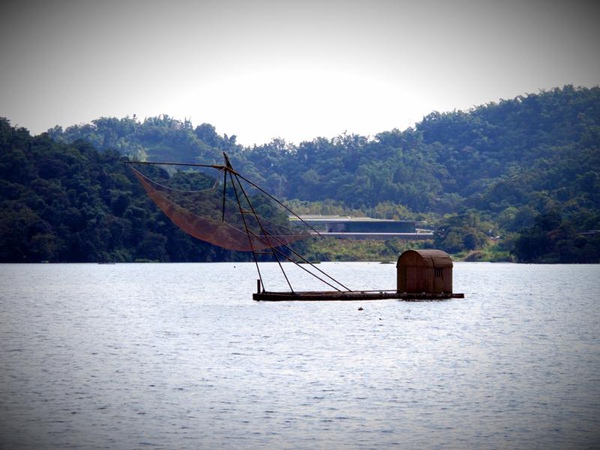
[424, 274]
[350, 296]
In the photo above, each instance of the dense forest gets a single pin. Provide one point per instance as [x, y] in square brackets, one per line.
[515, 180]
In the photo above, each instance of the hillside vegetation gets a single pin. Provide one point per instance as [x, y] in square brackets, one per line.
[516, 180]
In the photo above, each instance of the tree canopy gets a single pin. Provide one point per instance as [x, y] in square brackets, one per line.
[488, 176]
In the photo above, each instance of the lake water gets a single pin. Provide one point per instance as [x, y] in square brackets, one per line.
[179, 356]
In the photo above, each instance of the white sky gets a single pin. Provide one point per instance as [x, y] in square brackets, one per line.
[290, 69]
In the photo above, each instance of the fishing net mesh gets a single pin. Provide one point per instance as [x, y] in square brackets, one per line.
[221, 211]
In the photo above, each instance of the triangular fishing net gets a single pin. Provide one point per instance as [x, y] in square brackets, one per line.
[217, 205]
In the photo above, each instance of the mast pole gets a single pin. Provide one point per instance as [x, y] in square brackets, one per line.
[265, 234]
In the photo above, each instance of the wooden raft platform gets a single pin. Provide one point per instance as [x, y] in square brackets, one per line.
[267, 296]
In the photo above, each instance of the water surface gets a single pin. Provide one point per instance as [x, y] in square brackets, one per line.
[170, 356]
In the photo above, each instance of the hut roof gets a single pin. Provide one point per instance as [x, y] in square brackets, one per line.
[428, 258]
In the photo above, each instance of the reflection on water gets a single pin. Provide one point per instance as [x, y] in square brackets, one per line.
[179, 356]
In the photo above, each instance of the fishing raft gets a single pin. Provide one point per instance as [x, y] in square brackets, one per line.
[216, 204]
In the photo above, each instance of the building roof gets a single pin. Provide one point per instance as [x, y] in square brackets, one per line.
[343, 219]
[428, 258]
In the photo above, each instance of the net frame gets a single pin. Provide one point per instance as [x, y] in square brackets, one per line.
[258, 239]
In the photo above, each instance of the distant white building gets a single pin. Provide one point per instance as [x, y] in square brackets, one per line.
[364, 228]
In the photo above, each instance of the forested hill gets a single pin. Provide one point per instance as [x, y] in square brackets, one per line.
[526, 169]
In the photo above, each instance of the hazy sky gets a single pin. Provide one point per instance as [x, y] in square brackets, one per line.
[290, 69]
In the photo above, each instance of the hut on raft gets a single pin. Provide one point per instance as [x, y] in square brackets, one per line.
[424, 271]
